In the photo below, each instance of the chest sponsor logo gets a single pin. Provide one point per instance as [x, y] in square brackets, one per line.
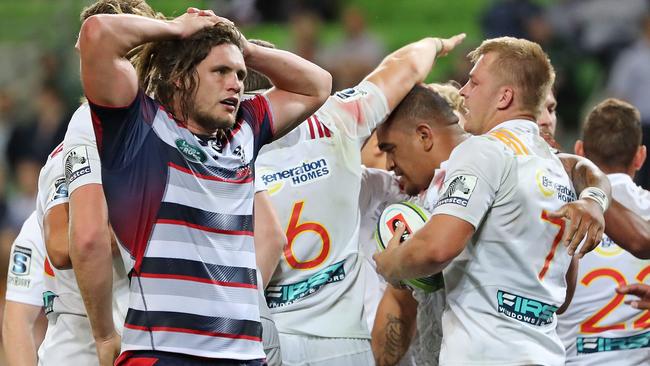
[548, 187]
[524, 309]
[305, 173]
[601, 344]
[282, 295]
[76, 164]
[191, 152]
[59, 190]
[21, 260]
[459, 190]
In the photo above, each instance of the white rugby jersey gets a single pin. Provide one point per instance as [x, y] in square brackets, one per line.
[313, 175]
[503, 290]
[81, 166]
[379, 188]
[25, 272]
[598, 328]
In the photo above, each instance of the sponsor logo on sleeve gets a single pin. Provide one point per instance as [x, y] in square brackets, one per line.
[21, 260]
[60, 190]
[76, 164]
[350, 94]
[459, 190]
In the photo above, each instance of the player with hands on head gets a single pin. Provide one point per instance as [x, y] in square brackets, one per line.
[184, 221]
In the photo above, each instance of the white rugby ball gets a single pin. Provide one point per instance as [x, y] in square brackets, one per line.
[414, 217]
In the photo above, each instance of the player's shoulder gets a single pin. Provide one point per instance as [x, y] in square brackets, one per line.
[80, 125]
[479, 146]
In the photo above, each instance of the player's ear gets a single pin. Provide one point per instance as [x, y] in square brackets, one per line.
[579, 148]
[424, 134]
[506, 97]
[639, 157]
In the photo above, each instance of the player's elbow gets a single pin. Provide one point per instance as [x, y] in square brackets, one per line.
[60, 259]
[93, 31]
[87, 238]
[323, 86]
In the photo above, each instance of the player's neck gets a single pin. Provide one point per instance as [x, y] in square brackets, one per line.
[505, 116]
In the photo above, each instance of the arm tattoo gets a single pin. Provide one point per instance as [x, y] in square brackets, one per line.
[394, 348]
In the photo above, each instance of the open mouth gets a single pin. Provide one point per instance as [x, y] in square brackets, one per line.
[230, 102]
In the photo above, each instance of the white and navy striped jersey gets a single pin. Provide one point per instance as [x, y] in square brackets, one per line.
[181, 209]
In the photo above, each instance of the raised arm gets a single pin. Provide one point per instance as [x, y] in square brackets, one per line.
[300, 87]
[409, 65]
[108, 77]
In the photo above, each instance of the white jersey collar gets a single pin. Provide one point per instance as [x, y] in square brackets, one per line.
[620, 178]
[526, 124]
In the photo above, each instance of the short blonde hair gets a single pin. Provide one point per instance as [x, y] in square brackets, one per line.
[450, 92]
[524, 65]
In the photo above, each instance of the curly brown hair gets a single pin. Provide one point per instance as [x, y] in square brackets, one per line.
[137, 7]
[167, 69]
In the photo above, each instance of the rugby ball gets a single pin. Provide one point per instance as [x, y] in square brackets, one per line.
[413, 217]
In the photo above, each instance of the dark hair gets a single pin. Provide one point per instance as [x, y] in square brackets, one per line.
[167, 69]
[254, 80]
[612, 134]
[137, 7]
[423, 104]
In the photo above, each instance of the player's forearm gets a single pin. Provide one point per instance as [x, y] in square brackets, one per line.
[18, 330]
[628, 230]
[394, 326]
[111, 35]
[92, 259]
[93, 267]
[413, 61]
[417, 257]
[585, 174]
[290, 72]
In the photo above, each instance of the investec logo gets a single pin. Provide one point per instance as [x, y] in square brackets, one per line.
[305, 173]
[525, 309]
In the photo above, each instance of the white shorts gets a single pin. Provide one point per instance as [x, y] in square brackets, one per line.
[298, 350]
[68, 341]
[271, 342]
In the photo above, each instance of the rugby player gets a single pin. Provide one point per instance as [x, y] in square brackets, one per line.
[484, 184]
[594, 331]
[182, 211]
[313, 176]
